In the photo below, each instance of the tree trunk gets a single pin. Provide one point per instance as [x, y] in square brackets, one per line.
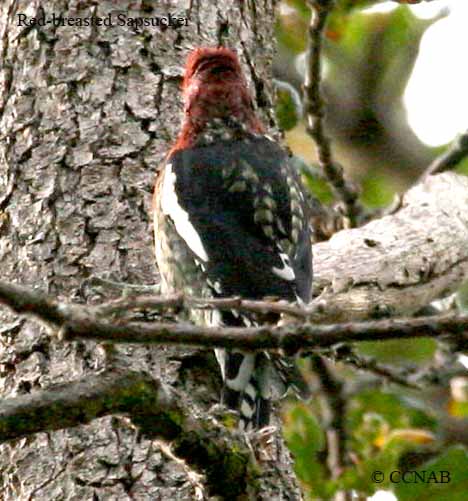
[87, 114]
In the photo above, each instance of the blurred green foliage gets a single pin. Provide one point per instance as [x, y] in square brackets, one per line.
[417, 351]
[318, 187]
[306, 439]
[288, 106]
[369, 58]
[462, 167]
[377, 189]
[455, 462]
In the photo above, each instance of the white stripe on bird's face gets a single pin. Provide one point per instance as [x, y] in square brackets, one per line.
[171, 208]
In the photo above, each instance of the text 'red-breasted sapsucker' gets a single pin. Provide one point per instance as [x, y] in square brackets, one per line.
[231, 219]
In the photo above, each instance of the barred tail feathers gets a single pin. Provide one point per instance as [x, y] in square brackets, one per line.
[254, 409]
[242, 391]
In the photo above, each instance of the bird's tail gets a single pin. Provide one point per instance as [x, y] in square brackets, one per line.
[242, 390]
[252, 381]
[254, 409]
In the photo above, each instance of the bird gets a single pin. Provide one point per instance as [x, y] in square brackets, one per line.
[231, 219]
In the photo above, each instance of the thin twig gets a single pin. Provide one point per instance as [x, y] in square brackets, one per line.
[80, 322]
[124, 288]
[314, 110]
[369, 364]
[333, 405]
[451, 157]
[181, 302]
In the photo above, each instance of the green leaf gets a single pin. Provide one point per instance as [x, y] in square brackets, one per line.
[445, 477]
[291, 28]
[312, 174]
[384, 45]
[386, 409]
[382, 427]
[378, 189]
[400, 351]
[288, 106]
[462, 167]
[458, 409]
[305, 440]
[318, 187]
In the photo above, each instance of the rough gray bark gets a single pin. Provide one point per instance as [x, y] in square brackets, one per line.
[399, 263]
[86, 116]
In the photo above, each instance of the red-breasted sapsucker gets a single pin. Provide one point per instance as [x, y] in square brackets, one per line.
[231, 219]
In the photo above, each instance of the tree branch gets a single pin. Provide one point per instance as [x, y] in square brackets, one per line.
[333, 410]
[80, 402]
[81, 322]
[121, 307]
[395, 265]
[392, 266]
[451, 157]
[314, 109]
[204, 444]
[346, 354]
